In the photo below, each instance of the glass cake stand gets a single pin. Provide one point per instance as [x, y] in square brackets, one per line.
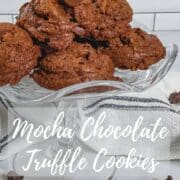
[28, 93]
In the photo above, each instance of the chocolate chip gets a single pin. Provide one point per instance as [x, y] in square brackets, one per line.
[87, 56]
[125, 40]
[169, 178]
[93, 42]
[174, 98]
[14, 176]
[72, 3]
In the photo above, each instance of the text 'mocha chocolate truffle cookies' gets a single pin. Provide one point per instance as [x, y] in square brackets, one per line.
[18, 55]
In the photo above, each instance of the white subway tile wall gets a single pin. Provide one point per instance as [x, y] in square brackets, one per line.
[10, 6]
[6, 18]
[146, 19]
[171, 37]
[168, 21]
[155, 14]
[155, 5]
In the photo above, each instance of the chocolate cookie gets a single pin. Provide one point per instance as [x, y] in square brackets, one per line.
[102, 19]
[135, 49]
[78, 63]
[48, 22]
[18, 55]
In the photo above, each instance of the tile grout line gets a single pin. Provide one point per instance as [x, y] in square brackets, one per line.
[7, 14]
[142, 12]
[12, 17]
[152, 12]
[167, 30]
[154, 22]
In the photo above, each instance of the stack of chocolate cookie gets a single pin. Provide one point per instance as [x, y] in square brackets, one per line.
[84, 40]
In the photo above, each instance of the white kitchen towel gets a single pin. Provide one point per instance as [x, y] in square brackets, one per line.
[124, 110]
